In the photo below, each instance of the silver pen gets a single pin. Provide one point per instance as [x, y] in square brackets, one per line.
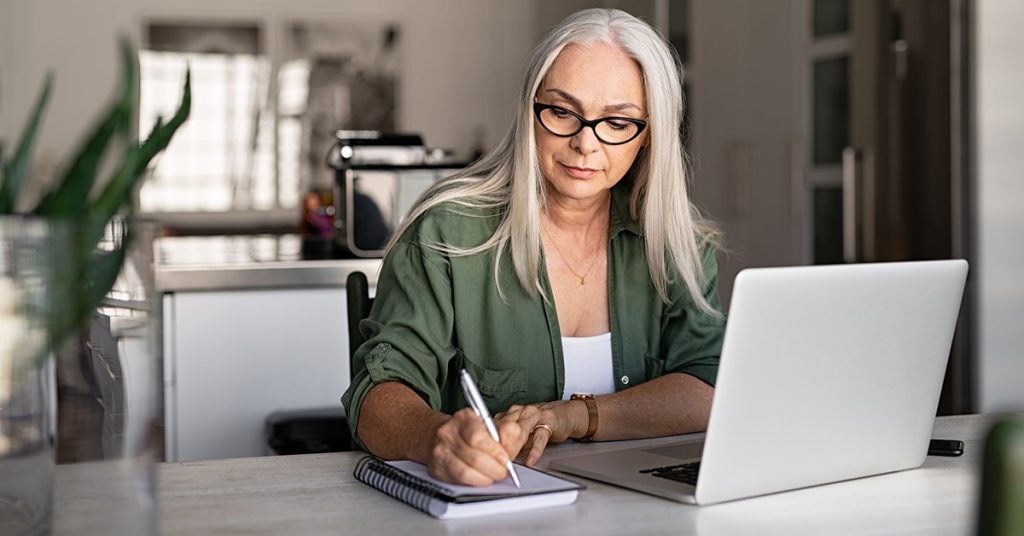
[477, 403]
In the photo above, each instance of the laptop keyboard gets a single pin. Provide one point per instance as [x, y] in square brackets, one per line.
[686, 472]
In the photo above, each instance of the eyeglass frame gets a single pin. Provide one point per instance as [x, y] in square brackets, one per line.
[539, 107]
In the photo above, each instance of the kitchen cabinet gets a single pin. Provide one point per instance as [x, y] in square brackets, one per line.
[247, 330]
[233, 357]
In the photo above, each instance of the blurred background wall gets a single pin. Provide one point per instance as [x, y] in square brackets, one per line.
[998, 142]
[820, 130]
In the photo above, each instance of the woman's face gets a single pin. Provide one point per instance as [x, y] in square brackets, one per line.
[594, 81]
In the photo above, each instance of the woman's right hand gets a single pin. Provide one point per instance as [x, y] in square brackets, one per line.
[462, 452]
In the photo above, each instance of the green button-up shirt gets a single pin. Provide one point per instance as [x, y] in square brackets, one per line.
[435, 313]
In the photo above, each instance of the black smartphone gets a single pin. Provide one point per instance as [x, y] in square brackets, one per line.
[945, 447]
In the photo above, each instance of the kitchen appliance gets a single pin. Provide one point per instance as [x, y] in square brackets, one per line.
[378, 177]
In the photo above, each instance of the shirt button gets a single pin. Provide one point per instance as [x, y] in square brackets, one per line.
[624, 380]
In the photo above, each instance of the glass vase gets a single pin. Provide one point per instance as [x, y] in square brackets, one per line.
[27, 388]
[110, 411]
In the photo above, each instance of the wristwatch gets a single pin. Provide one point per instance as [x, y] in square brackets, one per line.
[591, 403]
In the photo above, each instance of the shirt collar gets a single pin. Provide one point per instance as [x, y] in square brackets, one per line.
[621, 219]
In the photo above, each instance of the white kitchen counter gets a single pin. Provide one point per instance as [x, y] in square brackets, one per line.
[248, 262]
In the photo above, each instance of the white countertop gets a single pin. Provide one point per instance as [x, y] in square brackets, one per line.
[248, 262]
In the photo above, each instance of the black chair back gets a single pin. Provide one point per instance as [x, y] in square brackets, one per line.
[359, 303]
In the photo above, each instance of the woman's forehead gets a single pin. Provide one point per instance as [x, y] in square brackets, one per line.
[597, 75]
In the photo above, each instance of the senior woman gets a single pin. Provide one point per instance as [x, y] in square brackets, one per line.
[567, 261]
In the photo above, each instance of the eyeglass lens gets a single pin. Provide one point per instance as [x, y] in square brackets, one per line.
[563, 123]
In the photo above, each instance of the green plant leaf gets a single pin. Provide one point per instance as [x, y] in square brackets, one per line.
[93, 223]
[72, 195]
[83, 274]
[14, 171]
[118, 190]
[75, 299]
[157, 125]
[161, 135]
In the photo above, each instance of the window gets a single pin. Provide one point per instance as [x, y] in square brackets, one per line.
[259, 132]
[223, 158]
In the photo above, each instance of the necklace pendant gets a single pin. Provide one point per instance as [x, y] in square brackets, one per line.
[583, 281]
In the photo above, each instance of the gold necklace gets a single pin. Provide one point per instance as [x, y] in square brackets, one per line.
[593, 260]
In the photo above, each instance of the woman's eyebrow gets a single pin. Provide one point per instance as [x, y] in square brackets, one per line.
[579, 106]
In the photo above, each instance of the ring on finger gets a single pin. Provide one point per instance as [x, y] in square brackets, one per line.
[544, 426]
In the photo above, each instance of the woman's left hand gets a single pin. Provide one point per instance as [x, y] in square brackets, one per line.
[539, 425]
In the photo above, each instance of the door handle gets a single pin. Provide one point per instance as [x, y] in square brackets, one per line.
[851, 204]
[796, 180]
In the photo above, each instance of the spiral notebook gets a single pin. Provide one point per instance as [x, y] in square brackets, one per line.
[409, 482]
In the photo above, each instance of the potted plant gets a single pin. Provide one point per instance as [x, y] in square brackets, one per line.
[53, 276]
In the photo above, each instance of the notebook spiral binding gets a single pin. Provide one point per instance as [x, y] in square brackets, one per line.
[409, 489]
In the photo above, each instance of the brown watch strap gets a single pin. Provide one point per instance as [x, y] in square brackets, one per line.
[591, 403]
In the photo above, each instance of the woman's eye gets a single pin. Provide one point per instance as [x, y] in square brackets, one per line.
[618, 125]
[560, 113]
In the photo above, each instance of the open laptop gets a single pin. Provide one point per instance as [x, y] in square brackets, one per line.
[828, 373]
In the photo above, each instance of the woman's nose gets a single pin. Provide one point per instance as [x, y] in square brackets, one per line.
[585, 141]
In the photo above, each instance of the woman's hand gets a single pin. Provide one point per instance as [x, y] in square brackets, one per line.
[463, 452]
[538, 425]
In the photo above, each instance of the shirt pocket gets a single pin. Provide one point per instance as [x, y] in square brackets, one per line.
[654, 366]
[500, 388]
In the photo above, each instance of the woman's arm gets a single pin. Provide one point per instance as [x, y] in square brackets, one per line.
[670, 405]
[395, 423]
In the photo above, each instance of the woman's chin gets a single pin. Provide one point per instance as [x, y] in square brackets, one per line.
[578, 190]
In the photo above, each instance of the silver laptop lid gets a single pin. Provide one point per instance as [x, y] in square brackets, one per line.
[828, 373]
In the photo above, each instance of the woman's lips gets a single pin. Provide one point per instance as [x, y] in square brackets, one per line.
[579, 173]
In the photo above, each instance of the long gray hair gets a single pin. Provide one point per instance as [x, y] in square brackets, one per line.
[509, 179]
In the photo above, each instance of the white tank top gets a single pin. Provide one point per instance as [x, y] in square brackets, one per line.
[588, 365]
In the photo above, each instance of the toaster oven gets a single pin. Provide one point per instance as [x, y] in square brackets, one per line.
[378, 179]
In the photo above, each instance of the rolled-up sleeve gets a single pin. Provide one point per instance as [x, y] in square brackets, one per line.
[409, 329]
[691, 338]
